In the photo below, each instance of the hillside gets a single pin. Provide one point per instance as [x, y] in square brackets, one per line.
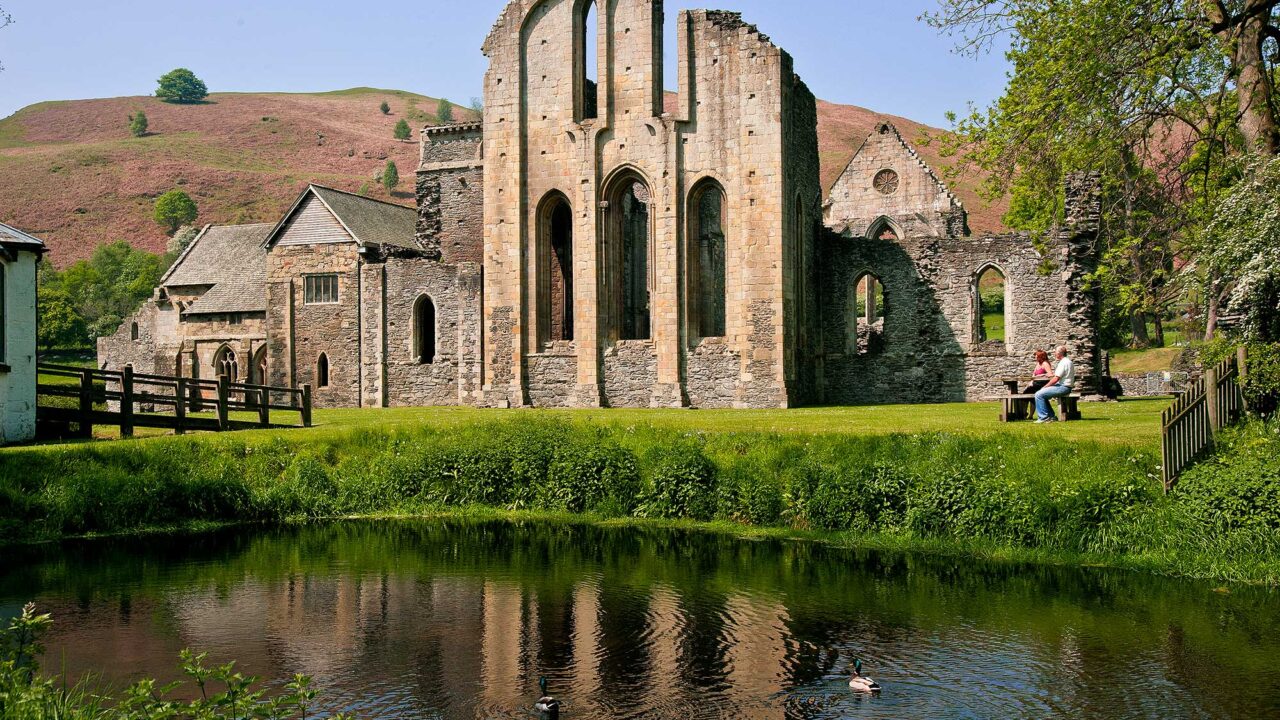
[71, 173]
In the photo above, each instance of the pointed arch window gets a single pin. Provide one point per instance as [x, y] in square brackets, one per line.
[555, 270]
[866, 316]
[991, 303]
[587, 60]
[424, 331]
[258, 371]
[322, 371]
[706, 259]
[225, 363]
[626, 282]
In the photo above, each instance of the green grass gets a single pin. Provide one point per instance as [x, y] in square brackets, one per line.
[1144, 361]
[1133, 423]
[993, 326]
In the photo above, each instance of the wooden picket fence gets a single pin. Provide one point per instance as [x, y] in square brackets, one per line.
[1191, 424]
[131, 400]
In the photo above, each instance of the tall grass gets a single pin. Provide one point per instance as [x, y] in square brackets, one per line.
[1083, 499]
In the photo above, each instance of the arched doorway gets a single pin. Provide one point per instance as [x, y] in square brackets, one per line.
[424, 331]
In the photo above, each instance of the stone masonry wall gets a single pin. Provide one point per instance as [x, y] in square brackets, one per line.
[299, 333]
[450, 190]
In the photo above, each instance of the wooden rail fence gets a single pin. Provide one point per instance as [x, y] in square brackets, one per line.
[160, 401]
[1191, 424]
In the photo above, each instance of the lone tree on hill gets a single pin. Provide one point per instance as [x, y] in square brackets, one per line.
[182, 86]
[402, 130]
[138, 124]
[175, 209]
[385, 108]
[444, 111]
[390, 176]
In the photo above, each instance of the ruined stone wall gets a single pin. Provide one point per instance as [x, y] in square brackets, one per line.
[120, 349]
[919, 196]
[735, 90]
[711, 374]
[450, 190]
[395, 375]
[930, 346]
[299, 333]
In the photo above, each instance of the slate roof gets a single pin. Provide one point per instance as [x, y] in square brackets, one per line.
[370, 222]
[13, 237]
[230, 260]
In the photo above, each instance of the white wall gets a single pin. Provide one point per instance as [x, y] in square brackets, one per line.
[18, 386]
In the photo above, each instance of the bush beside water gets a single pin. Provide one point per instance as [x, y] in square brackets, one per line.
[932, 489]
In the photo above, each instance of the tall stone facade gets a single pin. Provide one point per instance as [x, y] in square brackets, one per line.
[594, 243]
[592, 180]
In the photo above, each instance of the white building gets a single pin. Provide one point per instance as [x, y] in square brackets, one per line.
[19, 255]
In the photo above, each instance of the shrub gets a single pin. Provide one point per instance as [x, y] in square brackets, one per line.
[592, 473]
[1239, 487]
[402, 131]
[138, 124]
[444, 111]
[680, 483]
[181, 86]
[385, 108]
[390, 176]
[1262, 384]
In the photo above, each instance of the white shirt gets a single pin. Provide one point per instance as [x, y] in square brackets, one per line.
[1066, 372]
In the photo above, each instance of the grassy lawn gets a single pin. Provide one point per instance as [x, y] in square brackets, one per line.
[1144, 361]
[1133, 423]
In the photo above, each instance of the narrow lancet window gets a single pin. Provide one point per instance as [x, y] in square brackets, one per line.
[868, 312]
[992, 292]
[707, 257]
[424, 331]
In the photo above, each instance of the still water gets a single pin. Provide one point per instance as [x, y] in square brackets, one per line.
[459, 620]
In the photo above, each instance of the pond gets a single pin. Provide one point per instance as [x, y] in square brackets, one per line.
[452, 619]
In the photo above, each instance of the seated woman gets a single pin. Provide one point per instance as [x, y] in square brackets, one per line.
[1043, 371]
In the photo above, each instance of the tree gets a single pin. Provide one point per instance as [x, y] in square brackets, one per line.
[477, 105]
[100, 292]
[390, 176]
[1244, 248]
[175, 209]
[402, 131]
[138, 124]
[1154, 94]
[60, 326]
[181, 86]
[444, 111]
[385, 108]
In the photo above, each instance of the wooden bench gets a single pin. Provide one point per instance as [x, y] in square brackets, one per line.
[1022, 407]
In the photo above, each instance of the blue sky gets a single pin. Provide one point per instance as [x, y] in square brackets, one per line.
[873, 53]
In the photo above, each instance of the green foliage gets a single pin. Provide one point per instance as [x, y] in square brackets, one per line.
[59, 324]
[181, 86]
[175, 209]
[1238, 489]
[220, 693]
[390, 177]
[138, 124]
[402, 131]
[1244, 251]
[1262, 382]
[444, 111]
[477, 105]
[90, 298]
[1002, 491]
[385, 108]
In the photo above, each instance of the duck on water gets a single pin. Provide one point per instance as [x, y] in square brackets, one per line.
[860, 683]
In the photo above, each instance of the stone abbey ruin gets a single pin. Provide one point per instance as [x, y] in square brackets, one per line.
[588, 244]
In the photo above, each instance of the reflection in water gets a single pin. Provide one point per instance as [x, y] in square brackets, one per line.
[459, 620]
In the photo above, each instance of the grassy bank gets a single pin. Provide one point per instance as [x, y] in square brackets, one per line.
[991, 495]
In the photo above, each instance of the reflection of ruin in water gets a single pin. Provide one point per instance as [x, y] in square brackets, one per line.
[462, 619]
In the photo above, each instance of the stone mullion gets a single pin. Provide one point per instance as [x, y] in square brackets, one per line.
[587, 306]
[667, 277]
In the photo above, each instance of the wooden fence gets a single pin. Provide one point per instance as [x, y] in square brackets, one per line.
[1190, 425]
[131, 400]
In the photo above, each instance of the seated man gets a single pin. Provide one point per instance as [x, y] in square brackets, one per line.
[1062, 382]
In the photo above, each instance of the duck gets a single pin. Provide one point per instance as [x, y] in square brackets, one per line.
[547, 707]
[859, 683]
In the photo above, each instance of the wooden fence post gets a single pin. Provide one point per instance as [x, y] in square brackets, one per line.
[1242, 374]
[306, 405]
[224, 395]
[86, 404]
[1211, 400]
[126, 402]
[180, 407]
[264, 407]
